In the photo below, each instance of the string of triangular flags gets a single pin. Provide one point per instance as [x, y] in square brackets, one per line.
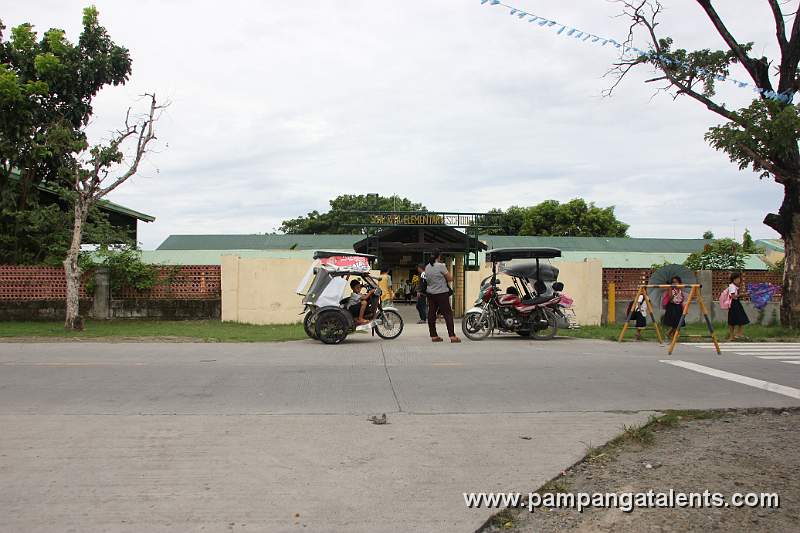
[569, 31]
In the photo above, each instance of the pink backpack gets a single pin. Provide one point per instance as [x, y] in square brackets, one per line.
[725, 299]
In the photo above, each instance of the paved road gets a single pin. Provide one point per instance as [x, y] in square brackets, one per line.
[274, 437]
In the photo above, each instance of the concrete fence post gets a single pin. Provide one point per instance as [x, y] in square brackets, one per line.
[101, 299]
[706, 279]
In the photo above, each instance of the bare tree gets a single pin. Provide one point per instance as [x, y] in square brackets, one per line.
[763, 136]
[91, 182]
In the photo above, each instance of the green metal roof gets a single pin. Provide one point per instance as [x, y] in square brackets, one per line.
[600, 244]
[102, 204]
[259, 242]
[111, 206]
[342, 242]
[771, 244]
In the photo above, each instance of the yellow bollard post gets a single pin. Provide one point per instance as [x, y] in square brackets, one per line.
[612, 303]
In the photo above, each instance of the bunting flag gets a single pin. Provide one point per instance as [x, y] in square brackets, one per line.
[631, 51]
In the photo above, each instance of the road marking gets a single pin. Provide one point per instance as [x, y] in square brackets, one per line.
[756, 348]
[75, 363]
[791, 392]
[446, 363]
[792, 362]
[777, 356]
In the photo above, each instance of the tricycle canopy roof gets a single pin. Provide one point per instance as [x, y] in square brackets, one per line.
[323, 254]
[530, 270]
[507, 254]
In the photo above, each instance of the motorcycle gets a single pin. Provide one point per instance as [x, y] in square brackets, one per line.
[536, 311]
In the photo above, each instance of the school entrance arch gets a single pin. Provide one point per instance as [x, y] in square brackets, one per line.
[404, 239]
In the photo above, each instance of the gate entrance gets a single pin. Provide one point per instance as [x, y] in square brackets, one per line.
[402, 240]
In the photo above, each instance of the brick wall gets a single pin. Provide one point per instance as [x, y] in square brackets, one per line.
[31, 283]
[188, 282]
[627, 281]
[28, 283]
[721, 279]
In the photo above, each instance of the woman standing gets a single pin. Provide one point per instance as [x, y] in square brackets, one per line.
[737, 318]
[385, 284]
[437, 278]
[673, 304]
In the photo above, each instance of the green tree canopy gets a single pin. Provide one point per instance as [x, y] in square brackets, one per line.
[763, 136]
[46, 90]
[724, 254]
[708, 234]
[575, 218]
[333, 220]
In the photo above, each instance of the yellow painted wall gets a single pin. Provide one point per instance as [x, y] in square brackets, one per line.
[582, 281]
[262, 291]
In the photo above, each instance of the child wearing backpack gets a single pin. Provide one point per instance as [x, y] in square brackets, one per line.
[637, 310]
[737, 318]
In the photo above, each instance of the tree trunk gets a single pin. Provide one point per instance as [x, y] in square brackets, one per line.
[787, 223]
[74, 321]
[790, 305]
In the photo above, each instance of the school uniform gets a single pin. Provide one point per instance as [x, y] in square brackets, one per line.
[673, 310]
[640, 313]
[736, 314]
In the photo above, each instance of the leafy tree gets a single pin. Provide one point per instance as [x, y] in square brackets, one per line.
[708, 235]
[724, 254]
[46, 91]
[333, 221]
[748, 245]
[575, 218]
[45, 233]
[762, 136]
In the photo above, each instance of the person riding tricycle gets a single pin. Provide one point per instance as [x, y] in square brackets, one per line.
[329, 316]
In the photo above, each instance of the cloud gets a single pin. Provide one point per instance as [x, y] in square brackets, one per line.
[279, 106]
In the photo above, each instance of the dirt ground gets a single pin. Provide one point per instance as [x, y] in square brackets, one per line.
[751, 451]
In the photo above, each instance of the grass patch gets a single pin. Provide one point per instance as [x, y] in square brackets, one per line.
[640, 434]
[199, 330]
[554, 485]
[505, 519]
[692, 332]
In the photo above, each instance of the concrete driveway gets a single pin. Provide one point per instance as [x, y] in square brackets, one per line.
[275, 437]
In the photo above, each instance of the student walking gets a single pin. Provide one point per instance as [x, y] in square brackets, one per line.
[437, 277]
[673, 304]
[737, 317]
[422, 298]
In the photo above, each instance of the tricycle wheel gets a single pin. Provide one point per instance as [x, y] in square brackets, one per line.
[308, 325]
[331, 327]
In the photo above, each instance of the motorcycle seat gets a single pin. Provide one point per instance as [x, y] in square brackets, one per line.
[537, 300]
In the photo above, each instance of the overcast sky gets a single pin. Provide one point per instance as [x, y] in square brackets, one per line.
[279, 106]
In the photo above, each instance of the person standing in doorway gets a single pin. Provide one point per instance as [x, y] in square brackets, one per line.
[737, 317]
[438, 278]
[385, 284]
[422, 298]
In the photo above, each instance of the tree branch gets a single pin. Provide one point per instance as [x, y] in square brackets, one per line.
[790, 58]
[758, 70]
[765, 163]
[780, 25]
[146, 134]
[683, 88]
